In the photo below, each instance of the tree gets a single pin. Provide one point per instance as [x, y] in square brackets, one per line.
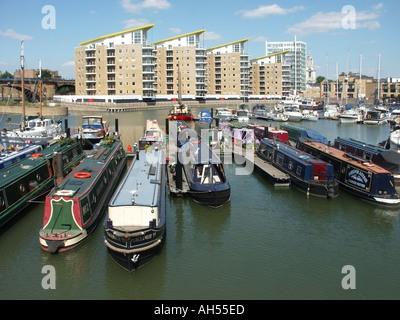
[320, 79]
[6, 75]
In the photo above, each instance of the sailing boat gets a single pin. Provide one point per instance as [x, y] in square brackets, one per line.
[36, 130]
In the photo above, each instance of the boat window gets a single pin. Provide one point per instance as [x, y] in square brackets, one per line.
[279, 159]
[298, 170]
[207, 174]
[199, 170]
[367, 156]
[290, 165]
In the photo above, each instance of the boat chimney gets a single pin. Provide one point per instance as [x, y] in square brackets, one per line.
[67, 131]
[59, 167]
[116, 126]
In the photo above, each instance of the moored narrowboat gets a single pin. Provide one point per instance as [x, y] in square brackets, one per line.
[358, 176]
[386, 158]
[32, 178]
[204, 173]
[307, 173]
[74, 207]
[135, 223]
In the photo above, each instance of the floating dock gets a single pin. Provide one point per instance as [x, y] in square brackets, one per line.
[275, 176]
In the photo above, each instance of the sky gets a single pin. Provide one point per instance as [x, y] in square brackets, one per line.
[342, 36]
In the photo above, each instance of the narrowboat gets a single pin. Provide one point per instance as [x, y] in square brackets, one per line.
[261, 132]
[153, 133]
[307, 173]
[74, 207]
[296, 132]
[386, 158]
[32, 178]
[204, 173]
[358, 176]
[135, 222]
[11, 155]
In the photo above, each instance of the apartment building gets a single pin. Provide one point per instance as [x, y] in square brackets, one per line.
[294, 64]
[266, 76]
[228, 71]
[180, 69]
[118, 64]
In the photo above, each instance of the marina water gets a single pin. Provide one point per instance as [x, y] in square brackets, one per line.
[267, 243]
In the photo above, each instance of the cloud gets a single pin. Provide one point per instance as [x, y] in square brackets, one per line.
[263, 11]
[135, 23]
[211, 35]
[68, 64]
[259, 38]
[10, 33]
[175, 30]
[323, 22]
[145, 4]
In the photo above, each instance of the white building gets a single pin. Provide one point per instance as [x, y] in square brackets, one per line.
[294, 64]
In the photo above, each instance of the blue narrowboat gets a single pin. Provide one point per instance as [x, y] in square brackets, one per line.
[307, 173]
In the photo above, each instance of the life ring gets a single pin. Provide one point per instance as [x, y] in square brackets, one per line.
[82, 175]
[369, 116]
[37, 155]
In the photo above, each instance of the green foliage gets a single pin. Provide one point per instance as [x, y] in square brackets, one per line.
[320, 79]
[63, 90]
[6, 75]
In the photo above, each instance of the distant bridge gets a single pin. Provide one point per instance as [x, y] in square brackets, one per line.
[31, 87]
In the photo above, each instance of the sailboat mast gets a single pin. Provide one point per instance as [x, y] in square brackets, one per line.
[40, 89]
[22, 81]
[360, 84]
[179, 87]
[379, 76]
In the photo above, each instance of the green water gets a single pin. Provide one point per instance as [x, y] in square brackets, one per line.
[267, 243]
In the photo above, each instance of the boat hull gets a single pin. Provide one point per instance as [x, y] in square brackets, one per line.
[307, 173]
[211, 199]
[132, 251]
[365, 180]
[74, 209]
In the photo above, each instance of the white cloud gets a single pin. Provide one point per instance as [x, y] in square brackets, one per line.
[68, 64]
[323, 22]
[259, 38]
[211, 35]
[175, 30]
[10, 33]
[135, 23]
[273, 9]
[145, 4]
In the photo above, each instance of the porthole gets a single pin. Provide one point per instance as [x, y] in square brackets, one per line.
[22, 188]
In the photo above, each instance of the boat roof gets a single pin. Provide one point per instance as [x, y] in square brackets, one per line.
[97, 117]
[388, 155]
[306, 133]
[343, 156]
[9, 156]
[92, 165]
[141, 184]
[301, 156]
[26, 165]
